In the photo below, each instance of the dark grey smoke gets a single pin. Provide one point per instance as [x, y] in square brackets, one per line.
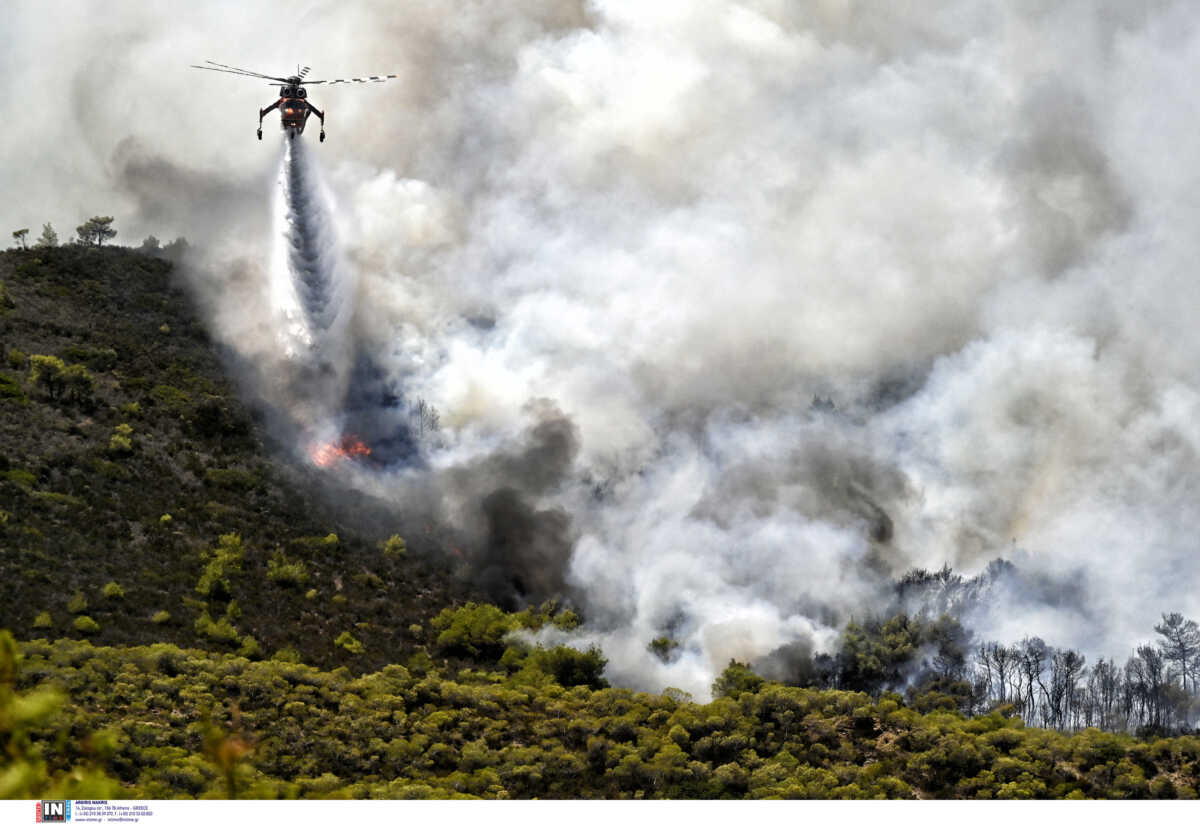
[525, 552]
[521, 551]
[791, 663]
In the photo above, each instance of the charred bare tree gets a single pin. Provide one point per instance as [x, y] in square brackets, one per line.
[1066, 667]
[1034, 653]
[1102, 695]
[999, 666]
[1145, 678]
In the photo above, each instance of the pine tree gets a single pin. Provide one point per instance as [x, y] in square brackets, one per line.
[1180, 644]
[96, 230]
[49, 237]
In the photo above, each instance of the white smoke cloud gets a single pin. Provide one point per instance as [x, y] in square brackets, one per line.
[968, 226]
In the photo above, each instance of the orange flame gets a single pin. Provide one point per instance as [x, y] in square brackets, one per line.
[345, 448]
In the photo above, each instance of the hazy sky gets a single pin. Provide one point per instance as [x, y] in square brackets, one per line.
[661, 229]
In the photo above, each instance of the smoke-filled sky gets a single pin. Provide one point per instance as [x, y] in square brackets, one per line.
[732, 311]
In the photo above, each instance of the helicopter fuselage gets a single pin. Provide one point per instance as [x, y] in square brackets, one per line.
[294, 110]
[293, 113]
[293, 106]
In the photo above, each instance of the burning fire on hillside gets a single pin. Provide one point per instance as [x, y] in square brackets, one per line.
[348, 447]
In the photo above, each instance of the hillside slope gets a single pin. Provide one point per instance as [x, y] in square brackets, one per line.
[124, 463]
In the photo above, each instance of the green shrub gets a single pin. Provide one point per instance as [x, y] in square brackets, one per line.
[78, 602]
[110, 470]
[213, 417]
[394, 547]
[101, 360]
[317, 541]
[17, 359]
[43, 620]
[289, 573]
[549, 613]
[287, 655]
[473, 630]
[735, 680]
[368, 579]
[21, 477]
[235, 480]
[161, 617]
[221, 630]
[175, 400]
[56, 498]
[349, 643]
[86, 625]
[133, 409]
[113, 591]
[571, 667]
[10, 390]
[250, 648]
[566, 620]
[224, 561]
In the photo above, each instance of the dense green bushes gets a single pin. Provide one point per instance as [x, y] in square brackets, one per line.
[24, 713]
[183, 723]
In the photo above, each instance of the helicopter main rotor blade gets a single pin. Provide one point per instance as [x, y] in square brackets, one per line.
[227, 71]
[274, 80]
[235, 70]
[372, 79]
[245, 71]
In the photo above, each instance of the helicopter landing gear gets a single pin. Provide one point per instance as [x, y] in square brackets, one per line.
[260, 134]
[322, 135]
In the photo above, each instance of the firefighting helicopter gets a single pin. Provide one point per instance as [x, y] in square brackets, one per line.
[293, 105]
